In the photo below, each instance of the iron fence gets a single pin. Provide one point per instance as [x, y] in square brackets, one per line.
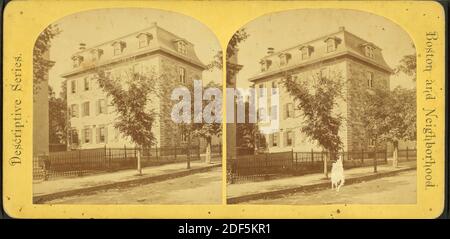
[89, 161]
[265, 166]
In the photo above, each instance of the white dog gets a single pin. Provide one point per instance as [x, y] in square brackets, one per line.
[337, 174]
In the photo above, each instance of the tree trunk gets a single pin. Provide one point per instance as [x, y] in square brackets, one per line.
[188, 161]
[208, 150]
[139, 169]
[395, 155]
[325, 165]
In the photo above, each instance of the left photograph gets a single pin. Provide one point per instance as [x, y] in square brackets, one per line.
[125, 111]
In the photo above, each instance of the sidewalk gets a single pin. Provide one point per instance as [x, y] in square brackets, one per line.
[52, 189]
[238, 193]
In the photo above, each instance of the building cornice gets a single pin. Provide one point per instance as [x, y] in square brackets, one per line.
[318, 60]
[135, 55]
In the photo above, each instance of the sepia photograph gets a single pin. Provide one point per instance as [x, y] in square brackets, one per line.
[103, 124]
[329, 97]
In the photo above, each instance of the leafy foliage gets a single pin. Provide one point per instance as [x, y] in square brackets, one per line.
[407, 66]
[317, 100]
[41, 62]
[58, 124]
[131, 97]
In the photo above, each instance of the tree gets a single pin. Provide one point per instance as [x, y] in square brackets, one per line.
[400, 119]
[408, 65]
[131, 94]
[383, 116]
[248, 134]
[317, 100]
[57, 118]
[41, 63]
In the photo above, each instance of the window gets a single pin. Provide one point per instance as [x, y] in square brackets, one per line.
[265, 64]
[85, 108]
[86, 83]
[101, 106]
[101, 134]
[137, 68]
[289, 138]
[369, 51]
[369, 76]
[118, 47]
[181, 47]
[284, 58]
[73, 136]
[289, 110]
[371, 143]
[182, 75]
[87, 135]
[275, 139]
[73, 87]
[74, 110]
[77, 60]
[184, 137]
[96, 54]
[261, 90]
[274, 112]
[331, 45]
[324, 73]
[274, 87]
[305, 52]
[144, 40]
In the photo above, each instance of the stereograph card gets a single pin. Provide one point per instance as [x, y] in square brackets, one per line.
[224, 109]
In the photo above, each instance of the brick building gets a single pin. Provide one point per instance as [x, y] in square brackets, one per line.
[354, 60]
[153, 50]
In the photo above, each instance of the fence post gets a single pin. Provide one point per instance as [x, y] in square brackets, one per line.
[79, 162]
[156, 151]
[385, 155]
[406, 153]
[109, 161]
[375, 161]
[105, 156]
[312, 155]
[362, 155]
[125, 150]
[175, 153]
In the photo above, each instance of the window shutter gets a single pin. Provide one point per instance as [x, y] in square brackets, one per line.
[293, 138]
[90, 135]
[97, 134]
[278, 140]
[106, 134]
[97, 107]
[83, 136]
[285, 108]
[271, 140]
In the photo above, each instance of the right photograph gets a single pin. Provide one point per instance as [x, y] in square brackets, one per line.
[324, 111]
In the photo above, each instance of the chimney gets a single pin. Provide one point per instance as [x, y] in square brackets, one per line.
[341, 28]
[270, 50]
[82, 46]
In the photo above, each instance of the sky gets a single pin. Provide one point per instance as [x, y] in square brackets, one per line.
[290, 28]
[98, 26]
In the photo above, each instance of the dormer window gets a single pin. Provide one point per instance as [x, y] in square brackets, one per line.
[369, 49]
[144, 39]
[284, 58]
[181, 47]
[305, 51]
[77, 60]
[118, 47]
[331, 43]
[265, 64]
[96, 54]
